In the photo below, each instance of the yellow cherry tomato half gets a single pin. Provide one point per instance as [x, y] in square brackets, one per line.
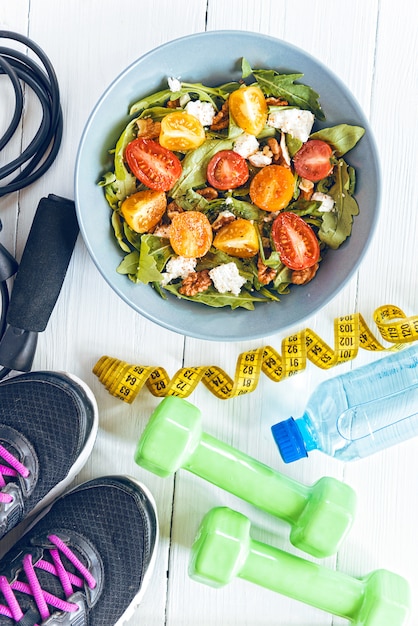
[272, 188]
[144, 209]
[181, 131]
[238, 238]
[190, 234]
[248, 107]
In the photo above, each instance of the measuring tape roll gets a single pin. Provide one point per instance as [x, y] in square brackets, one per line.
[124, 381]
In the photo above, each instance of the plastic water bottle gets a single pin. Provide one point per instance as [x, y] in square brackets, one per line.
[358, 413]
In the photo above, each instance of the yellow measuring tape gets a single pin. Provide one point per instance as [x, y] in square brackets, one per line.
[124, 380]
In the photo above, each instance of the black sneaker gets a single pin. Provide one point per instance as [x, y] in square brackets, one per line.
[86, 561]
[48, 426]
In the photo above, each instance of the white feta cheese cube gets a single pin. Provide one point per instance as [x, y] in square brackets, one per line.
[178, 267]
[246, 145]
[296, 122]
[260, 159]
[327, 202]
[203, 111]
[226, 278]
[173, 84]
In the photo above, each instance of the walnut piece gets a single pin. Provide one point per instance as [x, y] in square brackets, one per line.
[147, 128]
[195, 282]
[172, 209]
[275, 149]
[173, 104]
[221, 119]
[277, 102]
[209, 193]
[306, 195]
[225, 217]
[265, 274]
[301, 277]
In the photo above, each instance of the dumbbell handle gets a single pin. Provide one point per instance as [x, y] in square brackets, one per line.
[279, 571]
[223, 550]
[247, 478]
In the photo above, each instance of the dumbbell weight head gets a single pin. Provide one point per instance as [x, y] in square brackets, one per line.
[220, 547]
[386, 600]
[326, 519]
[172, 433]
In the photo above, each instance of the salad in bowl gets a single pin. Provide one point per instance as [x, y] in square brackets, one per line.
[228, 196]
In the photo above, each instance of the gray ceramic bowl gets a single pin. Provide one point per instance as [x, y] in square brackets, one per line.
[214, 58]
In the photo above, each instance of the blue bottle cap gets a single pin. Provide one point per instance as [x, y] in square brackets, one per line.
[289, 440]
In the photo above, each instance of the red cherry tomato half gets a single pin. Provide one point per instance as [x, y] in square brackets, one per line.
[312, 161]
[295, 241]
[227, 170]
[155, 166]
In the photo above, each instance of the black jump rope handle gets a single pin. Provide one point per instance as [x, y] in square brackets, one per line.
[39, 279]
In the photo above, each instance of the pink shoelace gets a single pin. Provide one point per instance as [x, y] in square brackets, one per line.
[43, 598]
[14, 468]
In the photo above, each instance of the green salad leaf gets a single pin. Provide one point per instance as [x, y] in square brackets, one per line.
[213, 298]
[194, 166]
[129, 265]
[118, 229]
[284, 86]
[341, 138]
[337, 224]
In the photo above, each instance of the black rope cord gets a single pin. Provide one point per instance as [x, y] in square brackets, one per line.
[42, 150]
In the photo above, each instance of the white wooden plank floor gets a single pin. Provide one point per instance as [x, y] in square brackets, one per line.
[372, 47]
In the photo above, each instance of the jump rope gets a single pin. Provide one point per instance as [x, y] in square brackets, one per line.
[26, 309]
[39, 277]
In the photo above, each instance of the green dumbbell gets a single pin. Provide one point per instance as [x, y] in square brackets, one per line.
[224, 550]
[320, 516]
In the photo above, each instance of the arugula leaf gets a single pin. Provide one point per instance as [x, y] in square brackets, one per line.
[159, 98]
[304, 207]
[192, 201]
[111, 188]
[155, 113]
[283, 86]
[342, 137]
[118, 230]
[243, 209]
[148, 271]
[204, 93]
[337, 224]
[209, 94]
[213, 298]
[246, 68]
[194, 166]
[131, 236]
[283, 280]
[121, 172]
[145, 266]
[293, 144]
[120, 183]
[129, 264]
